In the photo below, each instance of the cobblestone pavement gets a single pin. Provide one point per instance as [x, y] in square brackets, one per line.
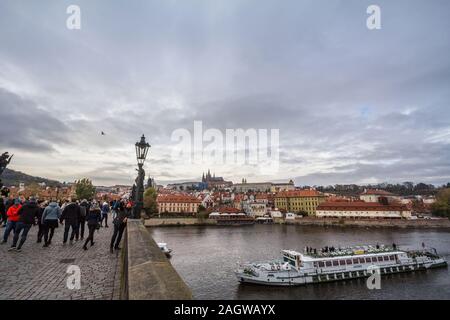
[39, 273]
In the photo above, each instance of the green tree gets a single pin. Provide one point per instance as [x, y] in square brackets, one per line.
[84, 189]
[150, 204]
[442, 205]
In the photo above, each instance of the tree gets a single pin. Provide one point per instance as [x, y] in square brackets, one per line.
[150, 204]
[84, 189]
[442, 205]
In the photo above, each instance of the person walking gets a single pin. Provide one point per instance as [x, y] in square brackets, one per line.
[27, 218]
[50, 218]
[13, 217]
[40, 234]
[84, 209]
[105, 211]
[3, 217]
[71, 216]
[93, 219]
[119, 222]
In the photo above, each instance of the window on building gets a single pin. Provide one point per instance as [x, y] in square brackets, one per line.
[328, 263]
[335, 263]
[342, 262]
[385, 258]
[321, 264]
[380, 258]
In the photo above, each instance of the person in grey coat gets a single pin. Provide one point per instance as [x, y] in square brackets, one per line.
[50, 218]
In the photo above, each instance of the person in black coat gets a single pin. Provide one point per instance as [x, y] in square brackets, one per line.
[3, 217]
[70, 215]
[41, 228]
[119, 222]
[27, 217]
[93, 222]
[84, 209]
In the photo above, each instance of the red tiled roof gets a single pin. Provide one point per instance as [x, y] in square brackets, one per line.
[228, 210]
[177, 198]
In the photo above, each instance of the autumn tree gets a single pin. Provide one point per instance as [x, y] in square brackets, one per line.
[442, 205]
[84, 189]
[150, 204]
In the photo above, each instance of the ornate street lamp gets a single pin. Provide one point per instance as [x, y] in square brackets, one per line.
[142, 148]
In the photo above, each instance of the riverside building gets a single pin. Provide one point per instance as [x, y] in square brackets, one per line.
[361, 210]
[299, 201]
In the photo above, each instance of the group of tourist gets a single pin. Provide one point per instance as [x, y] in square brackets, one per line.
[18, 216]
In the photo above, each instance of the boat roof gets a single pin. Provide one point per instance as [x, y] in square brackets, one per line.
[348, 252]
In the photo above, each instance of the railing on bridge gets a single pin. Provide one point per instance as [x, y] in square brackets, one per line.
[146, 273]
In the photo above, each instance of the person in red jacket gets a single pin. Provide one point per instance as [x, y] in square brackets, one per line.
[13, 218]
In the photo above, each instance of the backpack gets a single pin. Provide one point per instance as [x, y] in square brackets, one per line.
[83, 211]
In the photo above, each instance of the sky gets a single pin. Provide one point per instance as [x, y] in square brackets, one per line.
[352, 105]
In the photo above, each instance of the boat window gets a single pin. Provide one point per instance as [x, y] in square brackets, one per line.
[374, 259]
[368, 260]
[328, 263]
[349, 261]
[361, 260]
[335, 263]
[342, 262]
[315, 264]
[380, 258]
[391, 257]
[385, 258]
[270, 275]
[355, 261]
[321, 264]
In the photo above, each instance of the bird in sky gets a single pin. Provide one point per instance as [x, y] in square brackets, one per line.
[103, 134]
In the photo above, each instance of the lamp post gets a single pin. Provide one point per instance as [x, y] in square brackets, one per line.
[142, 148]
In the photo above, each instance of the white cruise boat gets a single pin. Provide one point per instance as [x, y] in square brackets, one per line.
[346, 263]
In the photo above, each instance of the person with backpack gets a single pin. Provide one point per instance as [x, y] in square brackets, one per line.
[13, 217]
[27, 218]
[93, 222]
[119, 222]
[50, 218]
[84, 209]
[71, 216]
[105, 211]
[40, 234]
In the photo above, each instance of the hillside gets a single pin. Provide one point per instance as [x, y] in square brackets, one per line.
[13, 178]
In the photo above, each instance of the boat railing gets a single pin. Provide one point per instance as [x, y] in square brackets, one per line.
[352, 251]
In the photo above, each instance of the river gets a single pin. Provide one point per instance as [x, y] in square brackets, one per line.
[205, 257]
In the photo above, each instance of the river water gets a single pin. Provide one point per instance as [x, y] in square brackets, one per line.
[205, 257]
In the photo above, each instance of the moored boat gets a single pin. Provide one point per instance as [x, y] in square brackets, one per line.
[164, 248]
[332, 265]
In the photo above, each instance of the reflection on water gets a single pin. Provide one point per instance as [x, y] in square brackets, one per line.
[206, 256]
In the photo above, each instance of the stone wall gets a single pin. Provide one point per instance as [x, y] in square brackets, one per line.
[165, 222]
[146, 272]
[398, 223]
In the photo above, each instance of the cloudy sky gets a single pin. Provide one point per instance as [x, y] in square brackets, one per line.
[352, 105]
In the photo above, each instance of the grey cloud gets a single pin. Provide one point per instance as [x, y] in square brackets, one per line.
[344, 98]
[26, 126]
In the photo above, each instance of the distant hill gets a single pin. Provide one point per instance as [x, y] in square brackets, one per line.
[13, 178]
